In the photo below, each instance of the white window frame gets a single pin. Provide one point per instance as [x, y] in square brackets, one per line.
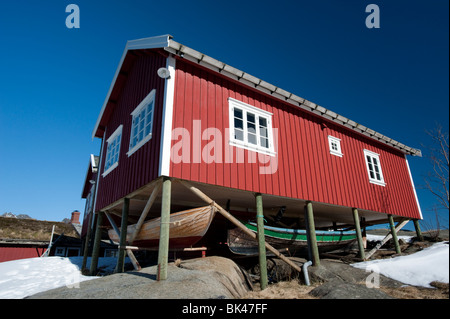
[60, 251]
[149, 99]
[247, 108]
[117, 134]
[375, 163]
[337, 142]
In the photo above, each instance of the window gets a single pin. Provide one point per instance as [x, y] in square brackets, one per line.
[142, 123]
[60, 251]
[112, 151]
[335, 145]
[250, 127]
[374, 168]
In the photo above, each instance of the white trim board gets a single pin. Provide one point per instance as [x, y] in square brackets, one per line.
[167, 119]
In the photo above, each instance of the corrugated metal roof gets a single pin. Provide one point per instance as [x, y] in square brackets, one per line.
[167, 43]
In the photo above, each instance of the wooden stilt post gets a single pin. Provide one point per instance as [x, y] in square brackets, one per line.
[128, 250]
[394, 234]
[358, 233]
[163, 253]
[87, 240]
[418, 231]
[123, 235]
[312, 234]
[261, 241]
[236, 222]
[97, 240]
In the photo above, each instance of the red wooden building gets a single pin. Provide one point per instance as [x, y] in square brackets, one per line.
[173, 111]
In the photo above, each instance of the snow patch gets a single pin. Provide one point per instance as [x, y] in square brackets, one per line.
[26, 277]
[418, 269]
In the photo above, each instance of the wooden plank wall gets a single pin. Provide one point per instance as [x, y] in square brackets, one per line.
[305, 168]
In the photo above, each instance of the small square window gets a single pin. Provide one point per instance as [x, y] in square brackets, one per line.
[335, 146]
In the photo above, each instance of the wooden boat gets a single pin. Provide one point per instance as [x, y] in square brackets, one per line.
[186, 229]
[295, 240]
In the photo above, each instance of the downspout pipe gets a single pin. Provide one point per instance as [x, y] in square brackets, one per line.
[305, 271]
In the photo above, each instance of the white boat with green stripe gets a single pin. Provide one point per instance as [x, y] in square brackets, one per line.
[293, 241]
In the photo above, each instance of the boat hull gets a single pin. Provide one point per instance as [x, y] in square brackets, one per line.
[186, 228]
[293, 240]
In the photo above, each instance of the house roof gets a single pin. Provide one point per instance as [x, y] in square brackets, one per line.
[167, 43]
[33, 230]
[90, 175]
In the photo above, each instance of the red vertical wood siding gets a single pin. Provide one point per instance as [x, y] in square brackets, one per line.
[306, 169]
[142, 166]
[15, 253]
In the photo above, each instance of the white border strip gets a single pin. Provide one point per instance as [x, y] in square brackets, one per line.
[414, 189]
[167, 119]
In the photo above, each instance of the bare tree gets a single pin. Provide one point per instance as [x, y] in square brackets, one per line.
[436, 180]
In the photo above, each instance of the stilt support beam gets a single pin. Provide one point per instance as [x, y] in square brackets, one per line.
[163, 253]
[123, 235]
[261, 241]
[236, 222]
[97, 240]
[394, 234]
[386, 239]
[129, 251]
[418, 231]
[145, 212]
[87, 241]
[358, 233]
[312, 239]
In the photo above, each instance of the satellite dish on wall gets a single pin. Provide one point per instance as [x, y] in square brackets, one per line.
[163, 73]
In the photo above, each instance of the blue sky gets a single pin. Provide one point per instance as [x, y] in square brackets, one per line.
[54, 80]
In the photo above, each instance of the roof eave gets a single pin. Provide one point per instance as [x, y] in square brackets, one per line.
[171, 46]
[254, 82]
[145, 43]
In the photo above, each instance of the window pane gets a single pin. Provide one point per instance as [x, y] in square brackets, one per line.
[238, 113]
[334, 146]
[376, 168]
[148, 119]
[252, 138]
[250, 117]
[238, 124]
[251, 128]
[150, 107]
[264, 142]
[263, 131]
[262, 122]
[141, 122]
[239, 135]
